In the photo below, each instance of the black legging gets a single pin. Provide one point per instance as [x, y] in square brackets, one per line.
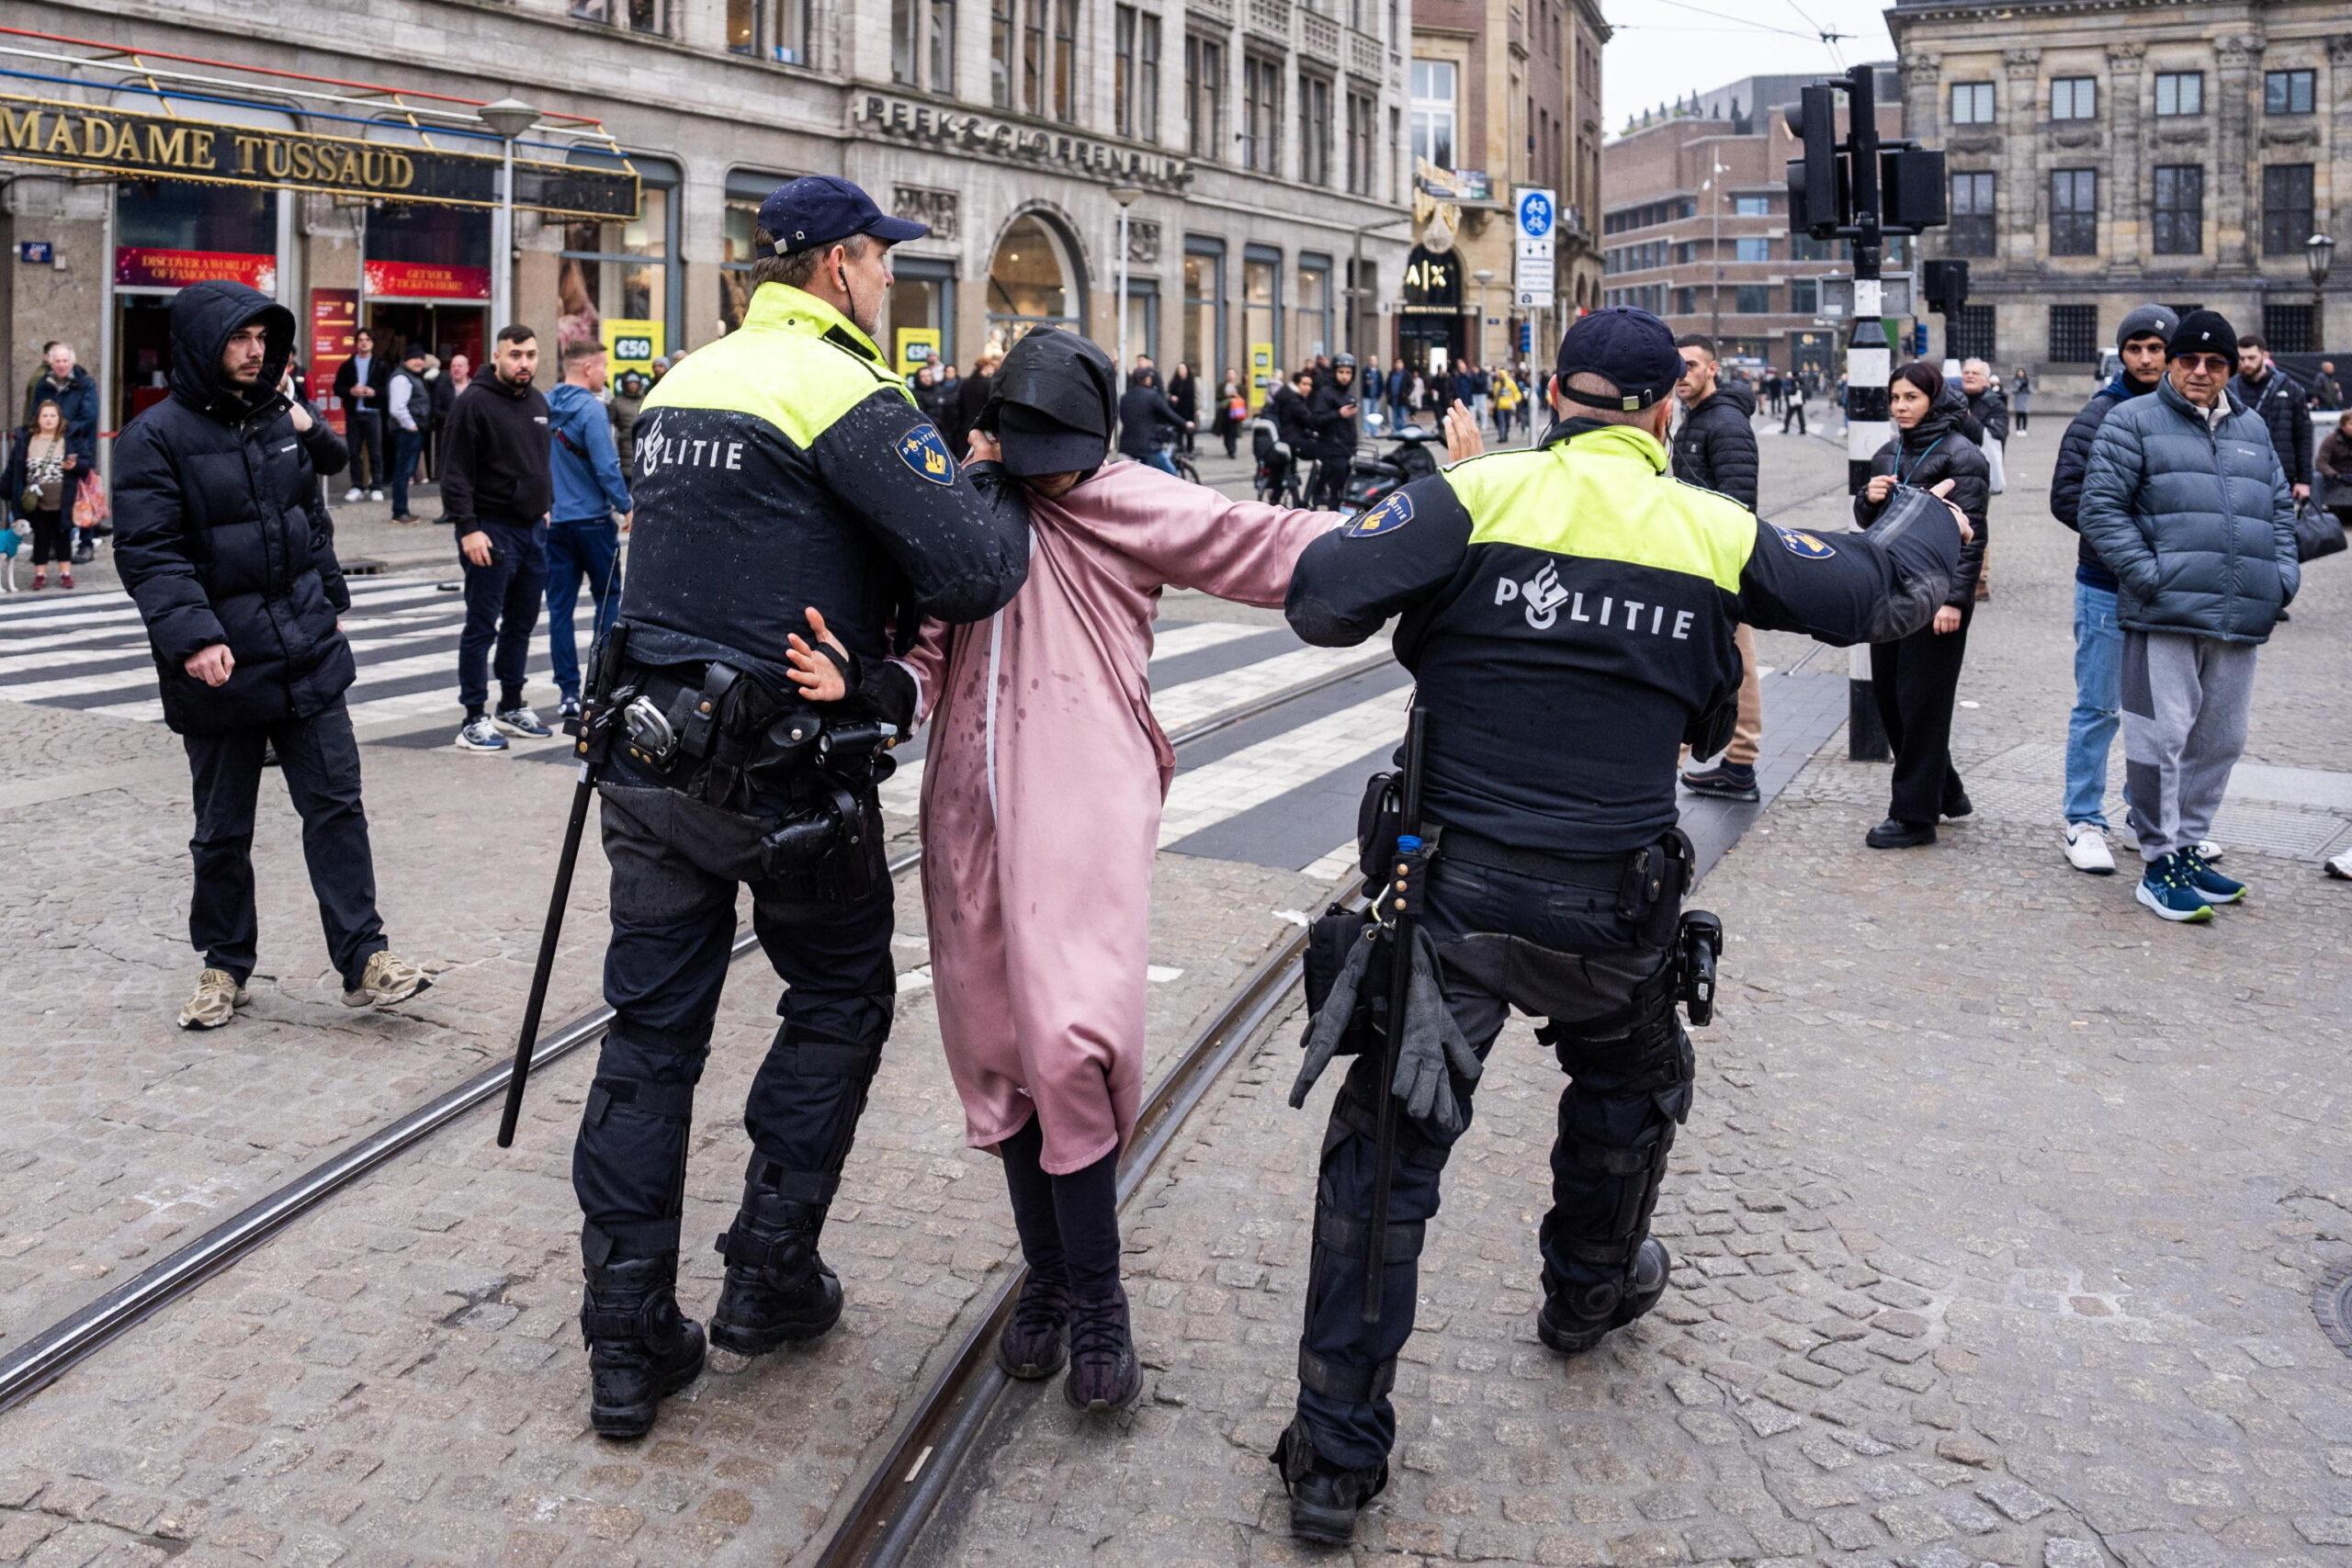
[1915, 681]
[51, 540]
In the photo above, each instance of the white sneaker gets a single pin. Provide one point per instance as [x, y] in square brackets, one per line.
[2087, 850]
[375, 495]
[354, 494]
[2208, 849]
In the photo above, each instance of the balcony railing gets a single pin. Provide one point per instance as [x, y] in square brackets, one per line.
[1363, 55]
[1271, 18]
[1318, 37]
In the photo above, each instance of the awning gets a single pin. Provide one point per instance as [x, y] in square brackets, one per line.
[180, 118]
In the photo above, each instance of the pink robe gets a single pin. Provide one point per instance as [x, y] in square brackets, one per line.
[1042, 794]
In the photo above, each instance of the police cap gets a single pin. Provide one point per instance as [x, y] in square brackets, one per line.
[1631, 347]
[822, 209]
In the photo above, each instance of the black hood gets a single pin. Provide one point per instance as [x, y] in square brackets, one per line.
[1738, 394]
[204, 317]
[1062, 376]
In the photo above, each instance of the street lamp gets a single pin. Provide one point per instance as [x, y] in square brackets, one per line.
[507, 120]
[1483, 277]
[1713, 184]
[1126, 196]
[2319, 254]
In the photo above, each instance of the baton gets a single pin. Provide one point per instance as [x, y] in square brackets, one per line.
[607, 669]
[1401, 927]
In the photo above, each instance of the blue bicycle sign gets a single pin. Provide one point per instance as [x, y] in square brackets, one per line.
[1535, 214]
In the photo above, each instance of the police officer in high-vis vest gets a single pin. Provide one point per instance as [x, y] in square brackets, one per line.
[1568, 613]
[783, 467]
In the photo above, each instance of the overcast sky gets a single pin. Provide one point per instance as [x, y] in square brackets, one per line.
[1662, 48]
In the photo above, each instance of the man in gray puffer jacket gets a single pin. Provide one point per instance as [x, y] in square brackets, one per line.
[2186, 502]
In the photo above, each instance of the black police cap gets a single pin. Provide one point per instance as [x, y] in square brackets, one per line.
[823, 209]
[1630, 347]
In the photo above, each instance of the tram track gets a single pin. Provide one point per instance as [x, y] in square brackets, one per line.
[42, 1357]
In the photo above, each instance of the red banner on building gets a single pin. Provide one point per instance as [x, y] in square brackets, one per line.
[427, 280]
[334, 322]
[142, 267]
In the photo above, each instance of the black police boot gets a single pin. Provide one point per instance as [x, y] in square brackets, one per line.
[1103, 1373]
[1570, 1335]
[777, 1291]
[1324, 1498]
[641, 1349]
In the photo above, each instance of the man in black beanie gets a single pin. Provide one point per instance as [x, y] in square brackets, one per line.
[2186, 502]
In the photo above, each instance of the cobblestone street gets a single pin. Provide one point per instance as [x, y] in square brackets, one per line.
[1997, 1226]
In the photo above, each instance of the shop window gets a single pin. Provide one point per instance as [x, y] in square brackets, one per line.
[2074, 334]
[1261, 114]
[737, 241]
[1204, 345]
[1135, 82]
[1143, 322]
[2180, 95]
[2288, 217]
[167, 215]
[1313, 312]
[1262, 318]
[1032, 282]
[1433, 104]
[2180, 211]
[921, 306]
[1204, 97]
[625, 271]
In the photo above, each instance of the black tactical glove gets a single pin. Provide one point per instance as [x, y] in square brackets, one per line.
[1432, 1042]
[1330, 1026]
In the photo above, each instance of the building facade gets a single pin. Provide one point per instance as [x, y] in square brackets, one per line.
[1696, 225]
[1501, 93]
[1256, 144]
[2107, 152]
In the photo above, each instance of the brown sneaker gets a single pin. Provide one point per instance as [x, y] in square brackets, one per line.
[217, 998]
[388, 981]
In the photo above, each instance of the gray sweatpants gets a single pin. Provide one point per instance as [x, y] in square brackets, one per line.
[2185, 702]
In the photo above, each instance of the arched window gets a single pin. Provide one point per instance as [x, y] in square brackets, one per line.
[1034, 281]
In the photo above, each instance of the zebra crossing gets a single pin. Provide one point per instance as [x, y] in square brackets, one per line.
[1278, 789]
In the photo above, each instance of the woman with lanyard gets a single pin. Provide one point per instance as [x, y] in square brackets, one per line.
[1916, 679]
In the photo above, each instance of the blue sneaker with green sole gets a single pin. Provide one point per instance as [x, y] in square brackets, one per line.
[2166, 890]
[2218, 889]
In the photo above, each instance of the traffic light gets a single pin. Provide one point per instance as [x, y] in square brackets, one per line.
[1816, 192]
[1944, 285]
[1911, 188]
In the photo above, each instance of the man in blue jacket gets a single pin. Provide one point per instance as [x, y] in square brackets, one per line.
[585, 540]
[2186, 502]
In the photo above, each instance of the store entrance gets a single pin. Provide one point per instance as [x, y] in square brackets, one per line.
[444, 329]
[142, 361]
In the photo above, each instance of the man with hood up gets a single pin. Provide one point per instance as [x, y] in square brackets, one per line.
[227, 549]
[1042, 1012]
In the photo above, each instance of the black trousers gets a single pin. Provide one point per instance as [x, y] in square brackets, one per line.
[53, 538]
[367, 449]
[1915, 682]
[320, 758]
[1330, 481]
[1630, 1072]
[676, 867]
[503, 602]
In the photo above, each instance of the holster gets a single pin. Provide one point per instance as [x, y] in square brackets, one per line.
[1328, 941]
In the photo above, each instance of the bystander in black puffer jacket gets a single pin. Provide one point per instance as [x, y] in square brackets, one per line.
[1938, 448]
[1716, 448]
[220, 530]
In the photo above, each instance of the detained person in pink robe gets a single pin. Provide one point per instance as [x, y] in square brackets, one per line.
[1041, 802]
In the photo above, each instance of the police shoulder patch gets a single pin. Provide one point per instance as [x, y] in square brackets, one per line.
[1809, 546]
[1385, 518]
[925, 450]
